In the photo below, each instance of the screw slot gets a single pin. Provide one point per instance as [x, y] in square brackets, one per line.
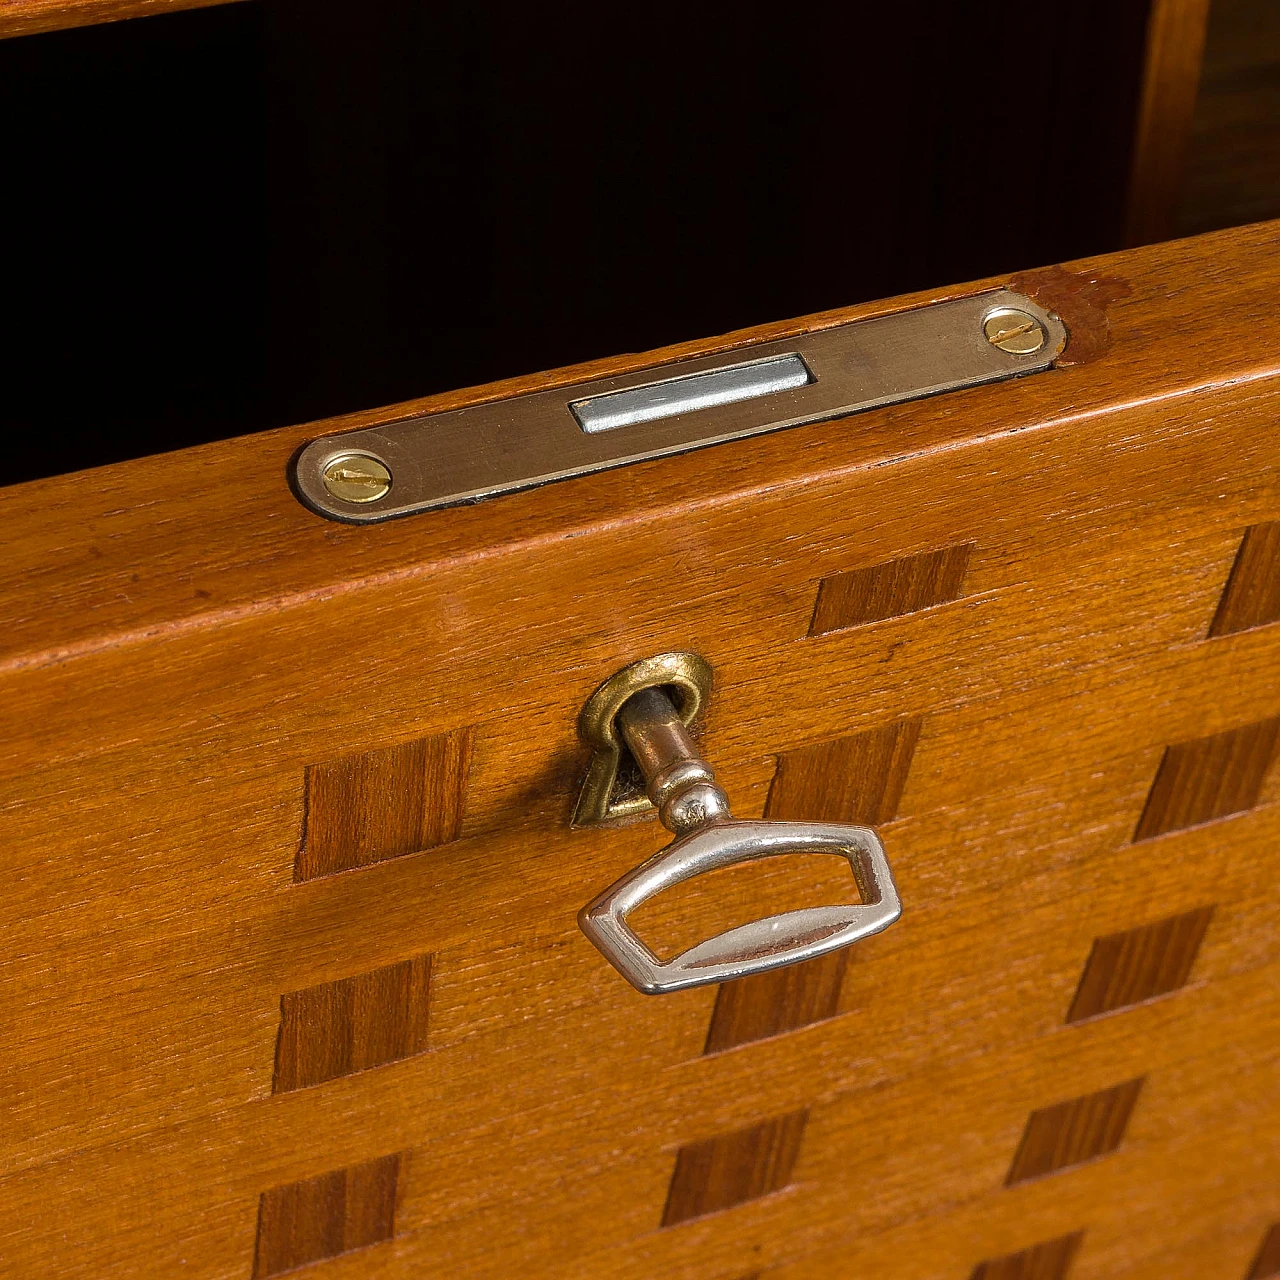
[357, 477]
[1017, 332]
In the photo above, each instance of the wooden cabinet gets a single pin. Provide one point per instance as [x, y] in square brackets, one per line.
[292, 971]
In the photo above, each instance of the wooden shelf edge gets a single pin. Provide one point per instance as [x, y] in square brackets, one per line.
[32, 17]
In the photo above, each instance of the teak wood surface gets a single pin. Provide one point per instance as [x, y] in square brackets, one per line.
[249, 1027]
[29, 17]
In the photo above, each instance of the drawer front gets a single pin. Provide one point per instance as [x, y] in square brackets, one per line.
[292, 971]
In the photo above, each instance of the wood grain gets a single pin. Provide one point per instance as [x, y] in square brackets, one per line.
[1126, 968]
[1209, 778]
[855, 779]
[1175, 49]
[1232, 174]
[1267, 1263]
[1069, 1133]
[769, 1004]
[326, 1216]
[27, 17]
[732, 1168]
[1082, 299]
[338, 1028]
[1048, 1260]
[879, 591]
[152, 767]
[383, 804]
[1251, 597]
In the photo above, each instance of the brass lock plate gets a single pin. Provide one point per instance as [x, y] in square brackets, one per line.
[466, 455]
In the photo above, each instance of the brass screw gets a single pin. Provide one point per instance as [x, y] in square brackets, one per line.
[356, 477]
[1013, 331]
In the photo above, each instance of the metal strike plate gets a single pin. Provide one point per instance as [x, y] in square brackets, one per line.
[466, 455]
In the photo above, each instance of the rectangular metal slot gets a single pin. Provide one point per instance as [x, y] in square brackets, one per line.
[502, 446]
[690, 392]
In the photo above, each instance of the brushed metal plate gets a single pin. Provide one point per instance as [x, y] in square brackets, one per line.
[466, 455]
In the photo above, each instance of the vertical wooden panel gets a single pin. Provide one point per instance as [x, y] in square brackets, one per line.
[1124, 969]
[1251, 597]
[733, 1168]
[1049, 1260]
[855, 779]
[382, 804]
[325, 1216]
[352, 1024]
[768, 1004]
[889, 590]
[1072, 1132]
[1267, 1263]
[1171, 75]
[1208, 778]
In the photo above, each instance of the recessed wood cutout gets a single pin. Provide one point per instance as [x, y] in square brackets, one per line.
[1126, 968]
[1049, 1260]
[854, 779]
[1209, 778]
[769, 1004]
[1251, 597]
[1267, 1263]
[889, 590]
[1069, 1133]
[338, 1028]
[733, 1168]
[382, 804]
[325, 1216]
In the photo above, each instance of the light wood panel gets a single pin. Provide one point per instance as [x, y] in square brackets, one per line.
[196, 1030]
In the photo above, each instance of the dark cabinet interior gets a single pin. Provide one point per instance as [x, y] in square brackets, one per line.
[243, 216]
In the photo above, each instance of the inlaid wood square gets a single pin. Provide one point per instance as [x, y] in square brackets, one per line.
[1209, 778]
[888, 590]
[1251, 597]
[325, 1216]
[733, 1168]
[854, 779]
[382, 804]
[769, 1004]
[1049, 1260]
[1069, 1133]
[1267, 1263]
[1124, 969]
[350, 1025]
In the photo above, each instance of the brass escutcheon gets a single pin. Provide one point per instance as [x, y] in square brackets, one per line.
[605, 796]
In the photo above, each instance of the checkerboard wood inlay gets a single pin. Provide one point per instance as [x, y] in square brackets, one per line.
[326, 1216]
[383, 804]
[1069, 1133]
